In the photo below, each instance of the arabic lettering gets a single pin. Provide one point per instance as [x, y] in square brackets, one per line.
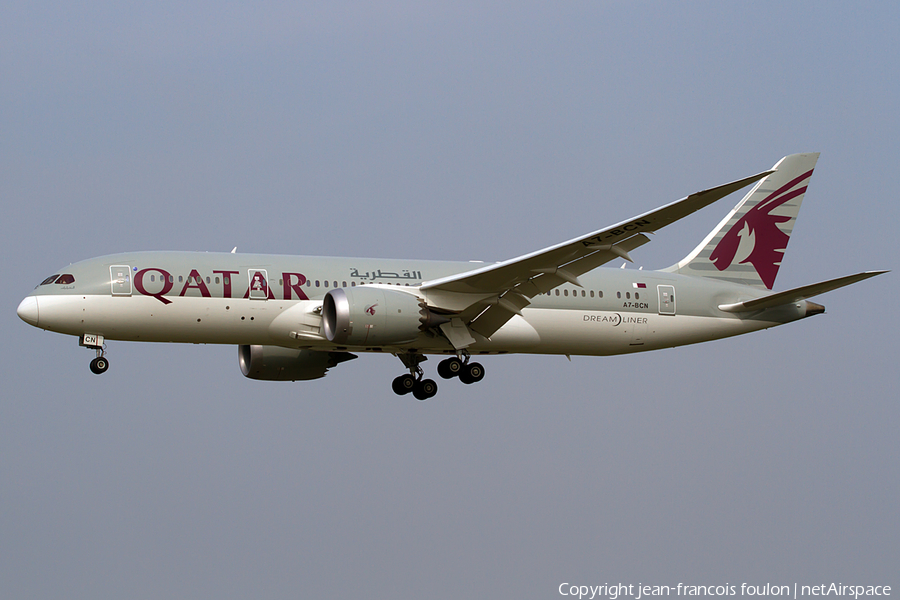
[380, 274]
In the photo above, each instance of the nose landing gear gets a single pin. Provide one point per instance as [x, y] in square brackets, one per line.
[99, 365]
[95, 342]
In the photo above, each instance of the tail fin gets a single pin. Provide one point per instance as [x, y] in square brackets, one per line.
[748, 245]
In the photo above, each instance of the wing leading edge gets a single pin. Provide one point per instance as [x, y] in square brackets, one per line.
[486, 298]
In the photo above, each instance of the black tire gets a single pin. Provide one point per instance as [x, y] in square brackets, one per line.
[450, 368]
[99, 365]
[403, 385]
[425, 389]
[472, 373]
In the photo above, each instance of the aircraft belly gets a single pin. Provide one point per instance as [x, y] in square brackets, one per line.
[602, 333]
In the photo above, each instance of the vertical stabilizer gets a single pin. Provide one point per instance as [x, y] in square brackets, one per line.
[748, 245]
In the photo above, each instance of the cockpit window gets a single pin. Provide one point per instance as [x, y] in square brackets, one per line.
[65, 279]
[50, 279]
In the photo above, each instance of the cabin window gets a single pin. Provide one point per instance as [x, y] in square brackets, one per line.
[600, 294]
[343, 284]
[180, 279]
[317, 283]
[628, 295]
[335, 284]
[207, 280]
[227, 281]
[592, 293]
[352, 284]
[557, 292]
[637, 296]
[171, 279]
[565, 292]
[618, 294]
[217, 280]
[326, 283]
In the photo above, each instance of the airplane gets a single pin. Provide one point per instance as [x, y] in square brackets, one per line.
[295, 317]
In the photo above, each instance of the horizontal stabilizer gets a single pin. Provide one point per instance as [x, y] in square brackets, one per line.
[797, 294]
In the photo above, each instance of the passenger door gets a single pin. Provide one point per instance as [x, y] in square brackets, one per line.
[120, 280]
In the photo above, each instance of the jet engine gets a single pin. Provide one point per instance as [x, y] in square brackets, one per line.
[370, 316]
[274, 363]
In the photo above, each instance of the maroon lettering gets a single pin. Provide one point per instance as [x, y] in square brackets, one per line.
[226, 281]
[290, 286]
[165, 277]
[195, 282]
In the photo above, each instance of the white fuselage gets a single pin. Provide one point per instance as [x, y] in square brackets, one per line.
[189, 300]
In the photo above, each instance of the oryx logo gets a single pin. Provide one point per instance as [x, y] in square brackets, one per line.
[371, 309]
[757, 236]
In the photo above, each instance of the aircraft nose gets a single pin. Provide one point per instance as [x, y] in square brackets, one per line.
[28, 310]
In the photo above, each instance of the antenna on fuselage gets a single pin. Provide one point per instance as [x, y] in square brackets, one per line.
[233, 250]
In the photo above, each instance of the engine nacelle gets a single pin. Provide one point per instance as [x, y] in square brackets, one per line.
[274, 363]
[370, 316]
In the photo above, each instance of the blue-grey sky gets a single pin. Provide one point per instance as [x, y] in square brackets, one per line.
[459, 131]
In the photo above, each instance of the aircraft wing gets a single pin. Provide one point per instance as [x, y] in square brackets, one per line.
[488, 297]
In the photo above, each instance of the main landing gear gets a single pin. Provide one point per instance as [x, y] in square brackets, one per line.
[423, 389]
[468, 372]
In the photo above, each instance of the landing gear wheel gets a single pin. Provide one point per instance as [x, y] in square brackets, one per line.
[425, 389]
[99, 365]
[472, 373]
[450, 368]
[403, 385]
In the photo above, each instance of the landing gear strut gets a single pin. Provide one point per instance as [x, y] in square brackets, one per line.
[422, 389]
